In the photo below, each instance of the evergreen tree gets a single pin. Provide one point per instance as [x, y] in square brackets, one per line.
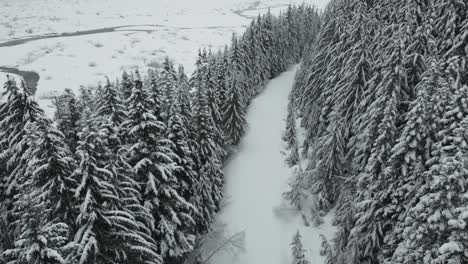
[110, 105]
[126, 86]
[168, 85]
[296, 194]
[106, 231]
[68, 116]
[16, 112]
[290, 134]
[438, 214]
[39, 241]
[153, 161]
[179, 135]
[43, 204]
[326, 250]
[329, 167]
[298, 251]
[293, 157]
[208, 189]
[238, 69]
[156, 93]
[221, 77]
[183, 95]
[234, 115]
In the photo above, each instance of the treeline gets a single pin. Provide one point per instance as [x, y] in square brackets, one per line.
[131, 171]
[383, 99]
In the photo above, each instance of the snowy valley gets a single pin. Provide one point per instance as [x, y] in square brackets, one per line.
[234, 132]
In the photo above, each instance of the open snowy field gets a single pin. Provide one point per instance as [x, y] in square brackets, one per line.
[73, 43]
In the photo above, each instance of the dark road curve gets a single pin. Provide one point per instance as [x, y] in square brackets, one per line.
[15, 42]
[31, 78]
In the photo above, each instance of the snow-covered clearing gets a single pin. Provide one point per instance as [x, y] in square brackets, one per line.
[256, 177]
[144, 32]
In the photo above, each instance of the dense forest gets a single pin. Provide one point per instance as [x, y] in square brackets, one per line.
[130, 171]
[382, 95]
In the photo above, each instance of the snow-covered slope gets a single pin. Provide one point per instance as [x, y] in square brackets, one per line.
[256, 177]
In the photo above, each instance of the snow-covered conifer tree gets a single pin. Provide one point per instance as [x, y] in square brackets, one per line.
[126, 86]
[298, 252]
[290, 134]
[110, 106]
[153, 161]
[234, 114]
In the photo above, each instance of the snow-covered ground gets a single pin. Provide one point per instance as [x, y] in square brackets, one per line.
[256, 177]
[116, 35]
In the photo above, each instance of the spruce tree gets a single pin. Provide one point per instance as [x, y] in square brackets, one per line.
[234, 115]
[153, 161]
[39, 241]
[298, 252]
[183, 95]
[330, 165]
[293, 157]
[290, 134]
[67, 115]
[126, 86]
[16, 113]
[168, 84]
[296, 193]
[42, 208]
[208, 189]
[179, 135]
[106, 231]
[110, 106]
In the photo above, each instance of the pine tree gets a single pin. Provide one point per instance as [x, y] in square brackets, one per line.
[16, 112]
[126, 86]
[290, 134]
[221, 77]
[67, 116]
[410, 154]
[184, 97]
[208, 189]
[106, 231]
[237, 69]
[326, 250]
[87, 101]
[438, 214]
[153, 161]
[39, 241]
[293, 157]
[329, 167]
[296, 194]
[168, 85]
[209, 87]
[156, 93]
[198, 78]
[179, 135]
[234, 115]
[43, 203]
[298, 252]
[19, 110]
[110, 105]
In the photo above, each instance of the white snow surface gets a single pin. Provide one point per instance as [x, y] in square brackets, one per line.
[256, 177]
[148, 30]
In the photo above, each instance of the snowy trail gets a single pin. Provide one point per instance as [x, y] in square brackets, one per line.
[256, 177]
